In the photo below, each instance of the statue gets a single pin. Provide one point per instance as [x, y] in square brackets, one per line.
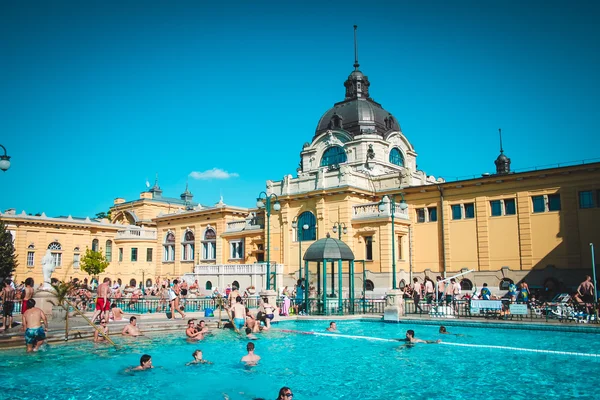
[48, 268]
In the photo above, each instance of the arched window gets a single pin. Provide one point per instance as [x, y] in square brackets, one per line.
[132, 282]
[333, 156]
[402, 284]
[148, 282]
[208, 285]
[56, 252]
[209, 245]
[187, 246]
[95, 245]
[306, 219]
[336, 121]
[120, 282]
[169, 247]
[369, 285]
[235, 284]
[466, 285]
[396, 157]
[504, 283]
[108, 251]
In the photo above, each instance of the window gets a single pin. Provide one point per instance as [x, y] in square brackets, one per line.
[369, 248]
[548, 202]
[456, 212]
[399, 249]
[554, 202]
[30, 258]
[134, 254]
[169, 247]
[108, 251]
[396, 157]
[209, 245]
[432, 214]
[148, 282]
[187, 246]
[586, 199]
[236, 249]
[510, 207]
[333, 156]
[56, 252]
[95, 244]
[369, 285]
[208, 285]
[120, 254]
[496, 208]
[401, 284]
[504, 283]
[306, 218]
[503, 207]
[420, 215]
[469, 210]
[148, 254]
[539, 204]
[76, 259]
[132, 282]
[466, 284]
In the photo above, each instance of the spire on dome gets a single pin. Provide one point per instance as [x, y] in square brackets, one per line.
[357, 84]
[156, 190]
[502, 162]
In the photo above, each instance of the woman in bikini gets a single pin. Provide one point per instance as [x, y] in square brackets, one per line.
[174, 294]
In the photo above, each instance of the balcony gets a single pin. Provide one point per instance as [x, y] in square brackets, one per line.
[248, 224]
[136, 234]
[236, 269]
[371, 211]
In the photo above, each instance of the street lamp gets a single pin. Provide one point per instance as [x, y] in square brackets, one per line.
[4, 160]
[403, 206]
[339, 227]
[300, 237]
[266, 204]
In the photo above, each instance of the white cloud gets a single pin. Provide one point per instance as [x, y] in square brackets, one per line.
[215, 173]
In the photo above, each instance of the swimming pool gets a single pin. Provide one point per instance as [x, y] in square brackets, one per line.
[315, 366]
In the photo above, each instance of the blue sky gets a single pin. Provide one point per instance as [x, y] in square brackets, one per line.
[97, 98]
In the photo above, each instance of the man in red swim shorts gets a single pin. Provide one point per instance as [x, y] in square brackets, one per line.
[102, 302]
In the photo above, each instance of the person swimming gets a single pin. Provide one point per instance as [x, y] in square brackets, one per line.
[198, 358]
[410, 339]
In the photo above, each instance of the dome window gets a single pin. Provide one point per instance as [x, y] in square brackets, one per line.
[389, 122]
[333, 156]
[396, 157]
[335, 122]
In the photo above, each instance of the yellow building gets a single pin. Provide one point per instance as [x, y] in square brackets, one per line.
[357, 175]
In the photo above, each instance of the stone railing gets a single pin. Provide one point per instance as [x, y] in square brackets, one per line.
[371, 210]
[136, 234]
[245, 224]
[235, 226]
[236, 269]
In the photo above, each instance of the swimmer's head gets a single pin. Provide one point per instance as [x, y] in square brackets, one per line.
[250, 346]
[146, 361]
[410, 334]
[442, 329]
[332, 325]
[197, 354]
[248, 331]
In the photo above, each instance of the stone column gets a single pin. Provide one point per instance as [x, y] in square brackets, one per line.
[394, 308]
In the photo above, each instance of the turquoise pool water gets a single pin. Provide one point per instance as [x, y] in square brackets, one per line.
[315, 367]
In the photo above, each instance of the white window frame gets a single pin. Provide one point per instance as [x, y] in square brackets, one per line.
[187, 247]
[236, 249]
[76, 260]
[30, 258]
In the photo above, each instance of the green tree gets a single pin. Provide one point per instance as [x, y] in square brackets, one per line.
[93, 262]
[8, 258]
[103, 214]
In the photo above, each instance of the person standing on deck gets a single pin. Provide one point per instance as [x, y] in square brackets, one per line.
[441, 289]
[417, 290]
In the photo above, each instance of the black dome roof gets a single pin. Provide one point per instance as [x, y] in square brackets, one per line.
[328, 249]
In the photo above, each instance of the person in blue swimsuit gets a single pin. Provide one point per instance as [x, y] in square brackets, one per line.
[524, 292]
[486, 294]
[512, 292]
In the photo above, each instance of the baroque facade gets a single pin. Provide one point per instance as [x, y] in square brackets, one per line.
[357, 176]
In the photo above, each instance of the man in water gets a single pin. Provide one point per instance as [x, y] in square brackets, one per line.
[102, 302]
[198, 358]
[332, 327]
[131, 329]
[28, 295]
[192, 333]
[8, 300]
[239, 313]
[250, 335]
[411, 339]
[34, 332]
[250, 358]
[145, 363]
[201, 328]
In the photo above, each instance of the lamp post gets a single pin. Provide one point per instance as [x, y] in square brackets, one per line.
[339, 227]
[300, 237]
[266, 204]
[403, 206]
[4, 160]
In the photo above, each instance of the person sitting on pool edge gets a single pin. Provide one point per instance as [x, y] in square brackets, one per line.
[411, 339]
[145, 363]
[198, 358]
[332, 327]
[250, 358]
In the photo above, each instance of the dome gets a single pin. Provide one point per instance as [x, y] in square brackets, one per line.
[328, 249]
[358, 113]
